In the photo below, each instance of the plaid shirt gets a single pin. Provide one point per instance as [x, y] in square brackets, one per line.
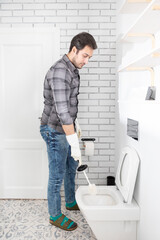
[61, 88]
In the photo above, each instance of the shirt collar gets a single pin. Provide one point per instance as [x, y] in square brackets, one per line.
[70, 64]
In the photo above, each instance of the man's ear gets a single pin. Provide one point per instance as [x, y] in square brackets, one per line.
[74, 50]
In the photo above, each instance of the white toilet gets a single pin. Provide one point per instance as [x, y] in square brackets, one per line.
[112, 213]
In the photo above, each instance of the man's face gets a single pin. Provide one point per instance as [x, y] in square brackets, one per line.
[81, 57]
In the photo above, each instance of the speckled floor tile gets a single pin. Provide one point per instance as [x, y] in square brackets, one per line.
[29, 220]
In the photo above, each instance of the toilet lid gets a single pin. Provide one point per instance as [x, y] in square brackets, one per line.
[127, 173]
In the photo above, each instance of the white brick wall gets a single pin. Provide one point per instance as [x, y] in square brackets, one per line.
[97, 98]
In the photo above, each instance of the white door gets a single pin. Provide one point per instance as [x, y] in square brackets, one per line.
[25, 57]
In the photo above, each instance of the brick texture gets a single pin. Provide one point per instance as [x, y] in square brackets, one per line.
[97, 91]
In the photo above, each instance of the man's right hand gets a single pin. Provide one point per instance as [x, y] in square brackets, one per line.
[75, 149]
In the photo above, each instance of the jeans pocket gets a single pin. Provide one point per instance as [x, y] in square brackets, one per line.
[45, 136]
[50, 139]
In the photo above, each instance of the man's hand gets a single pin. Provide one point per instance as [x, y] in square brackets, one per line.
[75, 149]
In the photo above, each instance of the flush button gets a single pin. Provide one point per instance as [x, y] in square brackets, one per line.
[132, 128]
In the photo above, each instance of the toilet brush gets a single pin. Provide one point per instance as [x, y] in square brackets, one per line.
[92, 187]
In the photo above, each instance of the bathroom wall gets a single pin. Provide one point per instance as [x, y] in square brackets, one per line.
[97, 92]
[131, 92]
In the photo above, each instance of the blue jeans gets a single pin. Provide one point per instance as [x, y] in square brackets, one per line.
[61, 167]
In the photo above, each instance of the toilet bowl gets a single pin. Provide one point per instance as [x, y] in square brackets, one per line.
[112, 212]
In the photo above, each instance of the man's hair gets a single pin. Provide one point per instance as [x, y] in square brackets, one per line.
[81, 40]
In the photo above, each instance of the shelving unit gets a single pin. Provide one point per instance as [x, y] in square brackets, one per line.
[148, 60]
[139, 102]
[143, 23]
[146, 25]
[133, 6]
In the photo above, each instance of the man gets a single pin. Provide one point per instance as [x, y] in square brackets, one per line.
[59, 125]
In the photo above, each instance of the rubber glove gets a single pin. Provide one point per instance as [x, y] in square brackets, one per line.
[75, 149]
[78, 129]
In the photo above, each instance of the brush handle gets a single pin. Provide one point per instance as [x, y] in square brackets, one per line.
[87, 178]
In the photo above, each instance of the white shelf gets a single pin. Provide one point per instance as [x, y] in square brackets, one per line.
[144, 61]
[139, 102]
[147, 22]
[132, 7]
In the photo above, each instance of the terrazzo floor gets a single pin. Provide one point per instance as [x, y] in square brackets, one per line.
[29, 220]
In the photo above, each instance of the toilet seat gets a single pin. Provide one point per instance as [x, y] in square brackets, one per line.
[127, 173]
